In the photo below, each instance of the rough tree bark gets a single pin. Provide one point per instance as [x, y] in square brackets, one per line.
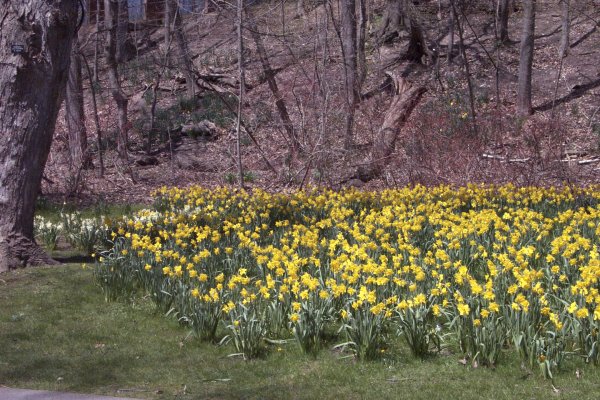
[111, 9]
[348, 36]
[526, 59]
[74, 114]
[288, 125]
[35, 38]
[503, 13]
[406, 97]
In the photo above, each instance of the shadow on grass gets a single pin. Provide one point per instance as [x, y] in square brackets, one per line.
[83, 372]
[73, 259]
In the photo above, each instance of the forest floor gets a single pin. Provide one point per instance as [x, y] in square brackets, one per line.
[558, 144]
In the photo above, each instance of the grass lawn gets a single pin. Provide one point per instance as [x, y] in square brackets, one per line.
[58, 333]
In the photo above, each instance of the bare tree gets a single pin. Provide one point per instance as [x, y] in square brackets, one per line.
[566, 28]
[361, 40]
[348, 38]
[74, 114]
[122, 28]
[526, 59]
[288, 125]
[167, 21]
[111, 10]
[95, 114]
[184, 57]
[242, 79]
[503, 11]
[97, 41]
[451, 19]
[164, 65]
[35, 37]
[463, 52]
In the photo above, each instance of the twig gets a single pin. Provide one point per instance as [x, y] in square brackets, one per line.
[247, 130]
[96, 120]
[582, 162]
[504, 159]
[398, 379]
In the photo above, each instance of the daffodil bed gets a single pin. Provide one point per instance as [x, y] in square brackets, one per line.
[482, 268]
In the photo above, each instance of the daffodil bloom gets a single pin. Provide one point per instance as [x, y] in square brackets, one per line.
[463, 309]
[582, 313]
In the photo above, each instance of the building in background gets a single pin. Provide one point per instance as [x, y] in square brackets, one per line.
[143, 10]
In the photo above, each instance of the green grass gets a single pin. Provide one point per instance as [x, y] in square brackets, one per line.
[57, 333]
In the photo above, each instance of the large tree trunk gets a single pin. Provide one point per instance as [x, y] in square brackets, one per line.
[35, 38]
[74, 115]
[111, 8]
[350, 68]
[503, 13]
[406, 97]
[526, 59]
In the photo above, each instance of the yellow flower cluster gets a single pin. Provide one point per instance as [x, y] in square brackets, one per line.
[473, 252]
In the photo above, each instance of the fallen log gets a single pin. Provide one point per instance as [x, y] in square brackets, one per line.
[406, 97]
